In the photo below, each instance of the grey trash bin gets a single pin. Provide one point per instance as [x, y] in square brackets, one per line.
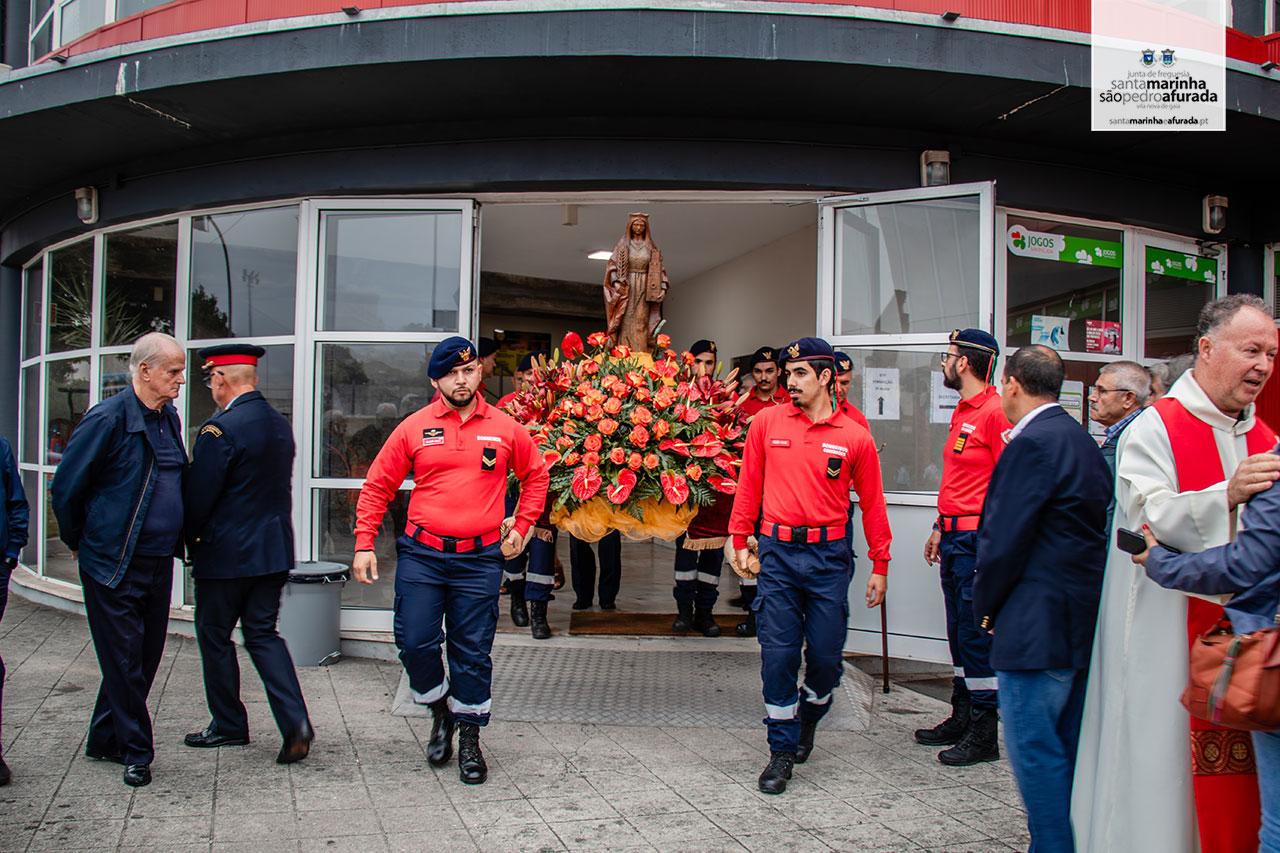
[309, 610]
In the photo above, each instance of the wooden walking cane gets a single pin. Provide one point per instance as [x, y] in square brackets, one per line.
[884, 645]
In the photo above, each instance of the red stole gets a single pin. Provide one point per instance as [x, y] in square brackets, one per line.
[1228, 809]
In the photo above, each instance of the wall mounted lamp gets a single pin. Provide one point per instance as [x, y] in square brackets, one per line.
[87, 205]
[1268, 65]
[1214, 214]
[935, 168]
[949, 17]
[351, 10]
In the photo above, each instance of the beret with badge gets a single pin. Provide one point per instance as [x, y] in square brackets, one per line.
[448, 354]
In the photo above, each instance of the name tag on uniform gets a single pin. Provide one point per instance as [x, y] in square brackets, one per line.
[780, 442]
[833, 467]
[432, 436]
[489, 459]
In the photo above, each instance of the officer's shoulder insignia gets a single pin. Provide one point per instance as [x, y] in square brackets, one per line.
[211, 430]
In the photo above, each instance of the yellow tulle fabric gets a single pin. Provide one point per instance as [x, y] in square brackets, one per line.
[597, 518]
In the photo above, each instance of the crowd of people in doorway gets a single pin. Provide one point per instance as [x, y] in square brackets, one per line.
[1078, 648]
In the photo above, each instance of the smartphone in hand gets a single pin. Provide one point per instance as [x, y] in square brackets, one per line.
[1130, 542]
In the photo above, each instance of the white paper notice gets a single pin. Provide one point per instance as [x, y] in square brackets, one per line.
[943, 400]
[883, 392]
[1072, 399]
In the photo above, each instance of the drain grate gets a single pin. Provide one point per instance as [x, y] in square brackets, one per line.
[641, 688]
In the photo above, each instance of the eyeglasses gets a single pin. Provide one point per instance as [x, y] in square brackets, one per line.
[1109, 390]
[208, 377]
[947, 355]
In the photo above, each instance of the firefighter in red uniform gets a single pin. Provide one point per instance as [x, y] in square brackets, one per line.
[799, 464]
[449, 561]
[974, 443]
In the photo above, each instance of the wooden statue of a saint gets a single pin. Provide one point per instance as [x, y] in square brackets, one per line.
[635, 283]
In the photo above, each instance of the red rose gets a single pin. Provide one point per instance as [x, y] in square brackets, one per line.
[590, 368]
[686, 357]
[674, 487]
[594, 412]
[571, 346]
[664, 397]
[618, 455]
[639, 436]
[586, 482]
[597, 339]
[723, 485]
[664, 341]
[612, 406]
[607, 426]
[661, 428]
[652, 461]
[579, 410]
[706, 445]
[642, 394]
[620, 351]
[694, 471]
[571, 459]
[634, 461]
[564, 441]
[592, 442]
[635, 380]
[641, 415]
[591, 458]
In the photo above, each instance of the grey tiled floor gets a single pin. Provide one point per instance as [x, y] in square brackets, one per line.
[552, 786]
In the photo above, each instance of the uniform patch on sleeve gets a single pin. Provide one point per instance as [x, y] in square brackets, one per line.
[211, 430]
[432, 436]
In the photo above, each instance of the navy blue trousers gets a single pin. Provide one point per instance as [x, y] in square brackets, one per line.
[698, 576]
[582, 568]
[970, 646]
[802, 609]
[536, 567]
[128, 625]
[6, 569]
[255, 604]
[435, 592]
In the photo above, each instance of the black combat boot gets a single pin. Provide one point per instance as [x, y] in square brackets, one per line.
[746, 628]
[774, 778]
[950, 730]
[440, 747]
[684, 618]
[806, 741]
[538, 614]
[471, 767]
[980, 742]
[705, 623]
[519, 611]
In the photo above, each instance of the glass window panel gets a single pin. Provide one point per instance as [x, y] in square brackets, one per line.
[907, 267]
[39, 8]
[33, 318]
[366, 389]
[80, 17]
[275, 381]
[114, 375]
[67, 399]
[42, 41]
[335, 515]
[138, 290]
[31, 551]
[58, 562]
[71, 297]
[244, 270]
[30, 451]
[1178, 285]
[391, 272]
[125, 8]
[1064, 288]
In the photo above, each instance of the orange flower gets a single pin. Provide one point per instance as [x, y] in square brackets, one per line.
[634, 461]
[686, 357]
[641, 415]
[571, 458]
[607, 426]
[594, 413]
[569, 428]
[652, 461]
[617, 456]
[620, 351]
[591, 458]
[590, 368]
[664, 397]
[592, 442]
[639, 436]
[597, 339]
[612, 406]
[564, 441]
[694, 471]
[635, 379]
[661, 429]
[664, 341]
[642, 394]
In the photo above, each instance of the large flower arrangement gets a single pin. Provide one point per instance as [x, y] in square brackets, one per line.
[635, 442]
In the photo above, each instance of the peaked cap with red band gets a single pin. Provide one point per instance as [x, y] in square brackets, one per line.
[225, 354]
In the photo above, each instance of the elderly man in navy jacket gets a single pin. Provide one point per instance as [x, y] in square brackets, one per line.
[239, 508]
[13, 536]
[117, 496]
[1041, 552]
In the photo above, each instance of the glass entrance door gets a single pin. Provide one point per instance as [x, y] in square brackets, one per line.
[1177, 278]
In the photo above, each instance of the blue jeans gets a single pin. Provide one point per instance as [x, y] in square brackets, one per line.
[1041, 709]
[1266, 753]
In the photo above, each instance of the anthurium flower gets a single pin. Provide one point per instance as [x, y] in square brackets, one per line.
[571, 346]
[691, 414]
[586, 482]
[621, 490]
[706, 445]
[551, 457]
[678, 446]
[723, 485]
[674, 487]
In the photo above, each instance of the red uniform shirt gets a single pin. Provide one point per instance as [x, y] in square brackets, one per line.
[974, 444]
[753, 404]
[786, 469]
[459, 473]
[855, 414]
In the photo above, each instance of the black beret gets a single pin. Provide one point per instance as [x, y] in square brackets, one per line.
[488, 346]
[701, 346]
[764, 354]
[977, 339]
[526, 363]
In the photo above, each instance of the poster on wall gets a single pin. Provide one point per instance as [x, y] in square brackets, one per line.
[1072, 399]
[942, 400]
[883, 391]
[513, 345]
[1102, 336]
[1049, 331]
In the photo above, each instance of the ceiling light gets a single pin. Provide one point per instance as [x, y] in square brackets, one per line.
[602, 255]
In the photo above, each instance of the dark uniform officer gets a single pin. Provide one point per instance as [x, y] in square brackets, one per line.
[238, 501]
[14, 515]
[799, 463]
[458, 450]
[976, 438]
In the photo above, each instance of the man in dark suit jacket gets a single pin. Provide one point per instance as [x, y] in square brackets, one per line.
[1042, 547]
[238, 502]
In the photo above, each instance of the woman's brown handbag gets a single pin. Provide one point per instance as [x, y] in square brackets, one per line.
[1235, 679]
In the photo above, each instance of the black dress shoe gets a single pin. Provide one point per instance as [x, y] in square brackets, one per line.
[208, 739]
[806, 742]
[137, 775]
[610, 606]
[440, 747]
[98, 755]
[774, 778]
[472, 769]
[581, 605]
[5, 773]
[296, 745]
